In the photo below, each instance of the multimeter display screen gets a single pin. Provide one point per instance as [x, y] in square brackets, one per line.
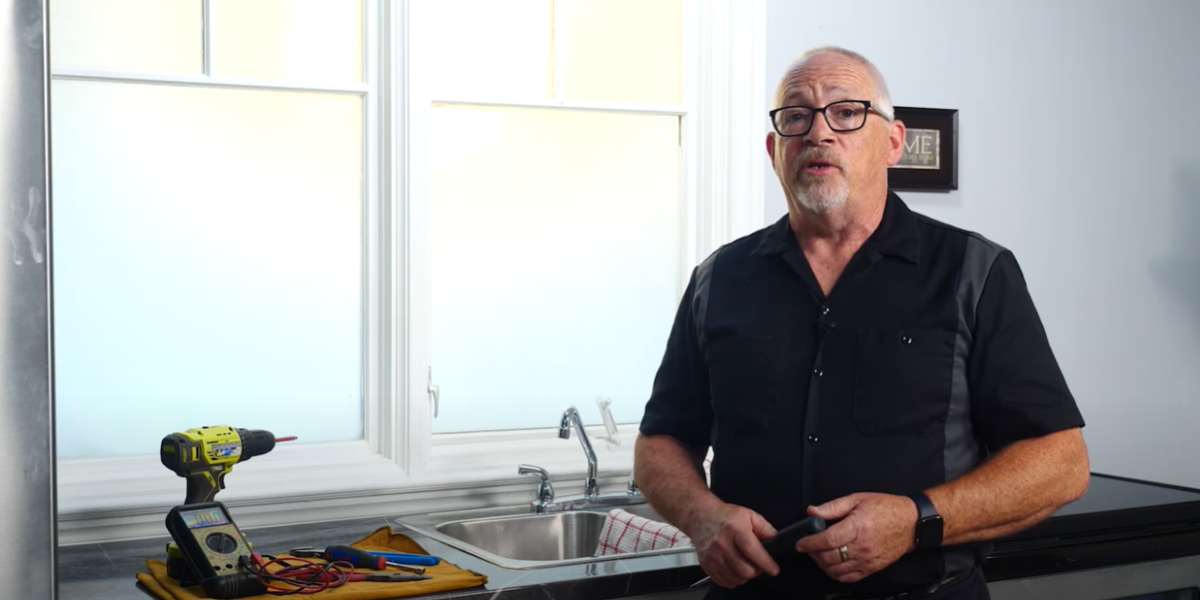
[203, 518]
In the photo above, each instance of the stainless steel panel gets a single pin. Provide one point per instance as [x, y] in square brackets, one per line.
[27, 523]
[515, 538]
[557, 536]
[1125, 581]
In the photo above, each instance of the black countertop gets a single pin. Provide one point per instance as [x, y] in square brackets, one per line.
[1119, 521]
[107, 571]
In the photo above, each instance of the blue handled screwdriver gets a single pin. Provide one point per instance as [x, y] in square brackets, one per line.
[362, 559]
[409, 559]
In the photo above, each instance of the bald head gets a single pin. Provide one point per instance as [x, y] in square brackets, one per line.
[882, 99]
[825, 170]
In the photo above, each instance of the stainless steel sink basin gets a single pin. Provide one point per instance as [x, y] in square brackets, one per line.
[516, 538]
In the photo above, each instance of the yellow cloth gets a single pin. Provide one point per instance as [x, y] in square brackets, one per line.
[443, 577]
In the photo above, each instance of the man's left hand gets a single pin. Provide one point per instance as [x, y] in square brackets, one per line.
[872, 532]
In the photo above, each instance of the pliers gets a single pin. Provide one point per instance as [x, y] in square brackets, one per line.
[386, 577]
[306, 552]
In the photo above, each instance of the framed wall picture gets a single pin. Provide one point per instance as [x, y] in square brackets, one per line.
[930, 160]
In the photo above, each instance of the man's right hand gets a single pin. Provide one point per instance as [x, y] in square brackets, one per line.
[728, 541]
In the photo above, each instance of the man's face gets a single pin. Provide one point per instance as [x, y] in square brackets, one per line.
[823, 169]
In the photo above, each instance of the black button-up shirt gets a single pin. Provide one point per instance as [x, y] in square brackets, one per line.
[927, 356]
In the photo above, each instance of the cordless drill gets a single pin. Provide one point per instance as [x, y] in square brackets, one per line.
[204, 456]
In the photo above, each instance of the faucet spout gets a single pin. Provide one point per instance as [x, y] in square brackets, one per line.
[571, 418]
[564, 427]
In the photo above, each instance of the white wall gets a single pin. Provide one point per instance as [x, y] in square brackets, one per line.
[1080, 151]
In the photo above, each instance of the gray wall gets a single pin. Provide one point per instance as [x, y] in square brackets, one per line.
[1080, 151]
[27, 522]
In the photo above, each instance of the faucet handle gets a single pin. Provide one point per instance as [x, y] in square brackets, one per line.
[545, 493]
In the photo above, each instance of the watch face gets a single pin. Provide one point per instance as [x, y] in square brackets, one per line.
[929, 532]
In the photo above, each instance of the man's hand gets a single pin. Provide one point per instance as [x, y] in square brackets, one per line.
[875, 529]
[728, 542]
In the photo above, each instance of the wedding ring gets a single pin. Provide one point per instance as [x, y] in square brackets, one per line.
[845, 553]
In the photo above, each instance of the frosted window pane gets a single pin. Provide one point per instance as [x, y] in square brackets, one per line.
[207, 264]
[301, 40]
[164, 36]
[555, 239]
[489, 49]
[622, 50]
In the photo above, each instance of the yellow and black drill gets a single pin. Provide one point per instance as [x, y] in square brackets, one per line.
[206, 455]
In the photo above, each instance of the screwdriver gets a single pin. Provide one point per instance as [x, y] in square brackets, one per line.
[410, 559]
[363, 559]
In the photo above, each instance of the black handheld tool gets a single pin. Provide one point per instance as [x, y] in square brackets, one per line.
[785, 539]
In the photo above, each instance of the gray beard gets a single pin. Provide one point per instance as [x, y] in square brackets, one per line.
[822, 199]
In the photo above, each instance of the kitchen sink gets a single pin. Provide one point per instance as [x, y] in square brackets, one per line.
[517, 538]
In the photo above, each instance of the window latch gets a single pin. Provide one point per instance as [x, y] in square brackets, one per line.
[434, 393]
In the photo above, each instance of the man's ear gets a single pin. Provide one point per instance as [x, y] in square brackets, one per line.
[896, 135]
[771, 148]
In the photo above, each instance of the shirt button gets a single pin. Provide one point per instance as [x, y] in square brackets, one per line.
[812, 438]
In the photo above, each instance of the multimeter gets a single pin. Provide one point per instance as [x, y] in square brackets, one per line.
[214, 548]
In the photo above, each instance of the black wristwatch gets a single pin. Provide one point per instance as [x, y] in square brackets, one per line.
[929, 523]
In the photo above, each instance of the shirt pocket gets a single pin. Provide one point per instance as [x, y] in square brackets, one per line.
[744, 375]
[902, 381]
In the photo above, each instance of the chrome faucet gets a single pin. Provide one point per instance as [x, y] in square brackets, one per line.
[570, 417]
[547, 502]
[545, 493]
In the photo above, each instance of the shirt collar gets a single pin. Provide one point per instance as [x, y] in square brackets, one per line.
[897, 234]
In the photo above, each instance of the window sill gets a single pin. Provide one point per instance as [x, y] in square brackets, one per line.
[128, 498]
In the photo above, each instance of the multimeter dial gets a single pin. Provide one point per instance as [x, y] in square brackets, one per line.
[222, 542]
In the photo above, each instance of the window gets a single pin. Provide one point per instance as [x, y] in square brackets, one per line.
[207, 219]
[269, 215]
[555, 205]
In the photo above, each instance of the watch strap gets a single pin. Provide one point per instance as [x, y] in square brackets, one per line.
[925, 506]
[929, 523]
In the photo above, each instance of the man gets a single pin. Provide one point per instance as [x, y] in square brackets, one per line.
[860, 363]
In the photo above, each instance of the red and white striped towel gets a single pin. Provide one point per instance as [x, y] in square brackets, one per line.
[626, 532]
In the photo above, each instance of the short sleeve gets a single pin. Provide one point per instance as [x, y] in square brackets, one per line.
[1017, 389]
[679, 405]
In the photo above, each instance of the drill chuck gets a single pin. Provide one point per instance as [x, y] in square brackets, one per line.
[255, 442]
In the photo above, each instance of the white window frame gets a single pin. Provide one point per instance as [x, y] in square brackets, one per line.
[400, 466]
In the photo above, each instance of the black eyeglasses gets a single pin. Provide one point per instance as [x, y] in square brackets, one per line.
[847, 115]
